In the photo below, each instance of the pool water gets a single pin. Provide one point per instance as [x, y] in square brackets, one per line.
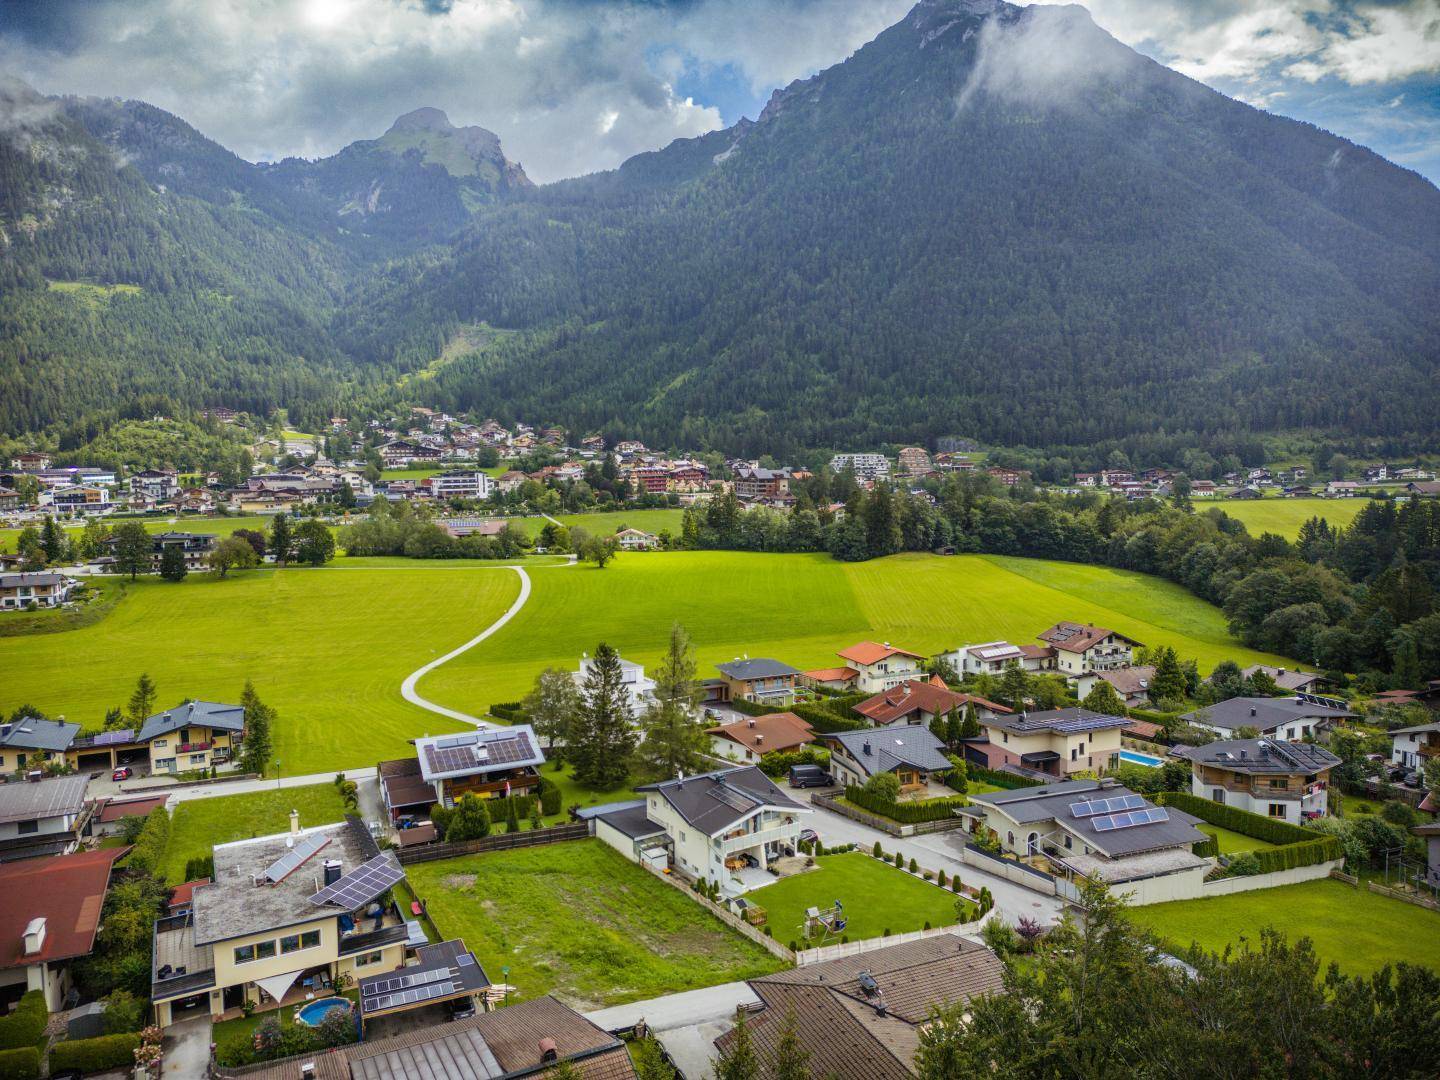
[312, 1012]
[1136, 758]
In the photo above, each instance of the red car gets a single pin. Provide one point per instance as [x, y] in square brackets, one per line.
[122, 773]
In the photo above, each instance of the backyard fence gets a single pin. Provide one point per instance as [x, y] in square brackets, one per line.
[818, 955]
[555, 834]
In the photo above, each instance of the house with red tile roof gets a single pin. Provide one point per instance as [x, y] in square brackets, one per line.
[1081, 648]
[830, 678]
[751, 739]
[110, 814]
[880, 666]
[919, 701]
[49, 918]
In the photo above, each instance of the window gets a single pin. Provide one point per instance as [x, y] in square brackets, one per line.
[1067, 842]
[367, 959]
[261, 950]
[160, 744]
[1289, 733]
[1004, 736]
[1278, 782]
[1277, 809]
[197, 759]
[25, 828]
[295, 942]
[1073, 754]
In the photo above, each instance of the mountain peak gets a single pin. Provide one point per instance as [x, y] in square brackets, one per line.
[427, 118]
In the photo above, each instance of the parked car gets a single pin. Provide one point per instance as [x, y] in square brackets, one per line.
[803, 776]
[122, 773]
[460, 1008]
[809, 836]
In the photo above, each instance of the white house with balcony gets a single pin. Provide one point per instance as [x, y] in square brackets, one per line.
[632, 677]
[1083, 648]
[879, 667]
[724, 826]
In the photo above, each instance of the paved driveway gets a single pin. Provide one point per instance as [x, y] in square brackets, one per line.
[187, 1048]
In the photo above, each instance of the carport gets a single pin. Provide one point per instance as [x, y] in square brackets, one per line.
[446, 972]
[108, 750]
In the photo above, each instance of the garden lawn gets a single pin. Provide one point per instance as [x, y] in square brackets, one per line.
[1359, 930]
[612, 521]
[572, 794]
[580, 921]
[1285, 516]
[876, 898]
[327, 648]
[199, 824]
[234, 1039]
[800, 609]
[1232, 843]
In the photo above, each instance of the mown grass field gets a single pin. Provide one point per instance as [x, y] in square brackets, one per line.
[199, 824]
[580, 921]
[876, 898]
[1357, 929]
[801, 608]
[327, 648]
[1231, 842]
[1285, 516]
[605, 524]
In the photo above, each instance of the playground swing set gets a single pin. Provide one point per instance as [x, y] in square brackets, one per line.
[824, 923]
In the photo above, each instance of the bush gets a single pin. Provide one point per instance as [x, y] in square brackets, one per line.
[1246, 864]
[914, 867]
[148, 854]
[882, 788]
[777, 763]
[124, 1012]
[200, 866]
[95, 1055]
[1298, 847]
[1208, 848]
[21, 1063]
[549, 798]
[998, 936]
[1000, 779]
[1399, 813]
[26, 1024]
[827, 721]
[877, 850]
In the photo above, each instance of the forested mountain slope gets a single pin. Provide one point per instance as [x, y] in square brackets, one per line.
[990, 221]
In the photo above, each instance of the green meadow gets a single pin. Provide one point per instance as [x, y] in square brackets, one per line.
[612, 521]
[329, 648]
[1285, 516]
[801, 608]
[219, 526]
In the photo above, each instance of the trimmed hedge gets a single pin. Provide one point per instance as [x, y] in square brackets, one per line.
[836, 714]
[22, 1063]
[512, 712]
[749, 708]
[1206, 849]
[1161, 718]
[26, 1024]
[549, 798]
[906, 813]
[148, 854]
[1298, 846]
[999, 779]
[95, 1055]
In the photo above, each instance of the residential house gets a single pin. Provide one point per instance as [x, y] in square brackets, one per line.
[80, 499]
[762, 485]
[42, 588]
[492, 764]
[1287, 718]
[1083, 648]
[1056, 742]
[915, 461]
[284, 917]
[1008, 477]
[108, 816]
[1342, 488]
[919, 701]
[461, 484]
[768, 682]
[633, 680]
[1269, 777]
[1203, 489]
[31, 461]
[162, 485]
[1412, 747]
[510, 480]
[913, 754]
[1292, 682]
[9, 500]
[193, 735]
[867, 468]
[49, 918]
[595, 444]
[1131, 683]
[751, 739]
[28, 743]
[194, 546]
[1430, 833]
[107, 750]
[831, 678]
[723, 826]
[879, 666]
[993, 657]
[636, 540]
[863, 1015]
[1102, 831]
[42, 817]
[1247, 493]
[524, 1039]
[402, 452]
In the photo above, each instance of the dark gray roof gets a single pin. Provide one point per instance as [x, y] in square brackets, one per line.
[715, 801]
[631, 819]
[742, 670]
[1263, 713]
[1072, 721]
[1272, 757]
[37, 734]
[209, 713]
[42, 798]
[478, 752]
[1053, 802]
[880, 751]
[1416, 730]
[30, 578]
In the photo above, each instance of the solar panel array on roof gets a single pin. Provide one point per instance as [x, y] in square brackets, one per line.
[733, 799]
[293, 859]
[504, 751]
[1106, 806]
[409, 989]
[363, 884]
[105, 738]
[461, 740]
[1151, 816]
[1085, 723]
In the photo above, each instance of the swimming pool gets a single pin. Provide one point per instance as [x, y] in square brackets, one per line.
[1134, 757]
[312, 1012]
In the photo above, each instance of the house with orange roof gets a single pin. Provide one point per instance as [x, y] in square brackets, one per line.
[830, 678]
[751, 739]
[881, 666]
[919, 701]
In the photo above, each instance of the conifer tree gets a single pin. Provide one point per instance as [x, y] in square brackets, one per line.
[142, 701]
[602, 736]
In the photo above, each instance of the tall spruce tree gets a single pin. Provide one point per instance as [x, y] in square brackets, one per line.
[1103, 698]
[257, 745]
[282, 539]
[132, 549]
[602, 736]
[142, 700]
[1168, 683]
[172, 563]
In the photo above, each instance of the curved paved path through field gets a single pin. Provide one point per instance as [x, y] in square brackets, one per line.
[407, 688]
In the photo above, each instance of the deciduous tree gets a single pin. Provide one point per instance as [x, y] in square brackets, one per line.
[231, 553]
[552, 704]
[172, 563]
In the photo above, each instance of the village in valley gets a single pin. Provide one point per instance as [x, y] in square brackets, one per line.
[705, 766]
